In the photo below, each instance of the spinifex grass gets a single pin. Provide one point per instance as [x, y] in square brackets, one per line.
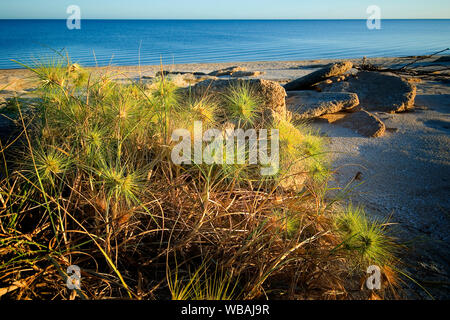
[242, 104]
[98, 189]
[367, 238]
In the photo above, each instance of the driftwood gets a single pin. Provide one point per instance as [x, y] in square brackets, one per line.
[422, 58]
[407, 69]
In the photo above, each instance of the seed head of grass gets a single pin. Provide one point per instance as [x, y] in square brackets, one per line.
[319, 170]
[94, 137]
[52, 73]
[120, 183]
[78, 75]
[290, 138]
[203, 109]
[365, 237]
[242, 103]
[94, 140]
[313, 145]
[50, 164]
[165, 92]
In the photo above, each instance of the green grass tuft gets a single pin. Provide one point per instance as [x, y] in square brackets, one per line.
[365, 237]
[243, 106]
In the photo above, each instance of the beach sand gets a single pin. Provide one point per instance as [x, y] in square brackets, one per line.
[405, 174]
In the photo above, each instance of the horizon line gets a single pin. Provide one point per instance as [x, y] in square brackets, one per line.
[228, 19]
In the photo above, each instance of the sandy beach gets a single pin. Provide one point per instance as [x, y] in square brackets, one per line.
[403, 176]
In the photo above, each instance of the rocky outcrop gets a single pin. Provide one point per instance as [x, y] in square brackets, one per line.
[311, 104]
[181, 79]
[363, 122]
[166, 73]
[235, 72]
[239, 74]
[227, 71]
[332, 117]
[306, 82]
[377, 91]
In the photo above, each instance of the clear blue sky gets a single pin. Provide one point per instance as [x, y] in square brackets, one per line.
[224, 9]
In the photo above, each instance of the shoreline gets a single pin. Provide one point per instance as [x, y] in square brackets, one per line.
[279, 71]
[244, 62]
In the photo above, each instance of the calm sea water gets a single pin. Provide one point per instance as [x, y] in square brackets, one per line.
[117, 42]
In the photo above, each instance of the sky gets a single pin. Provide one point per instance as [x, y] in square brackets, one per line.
[225, 9]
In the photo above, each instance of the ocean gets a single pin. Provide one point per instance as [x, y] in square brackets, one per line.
[130, 42]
